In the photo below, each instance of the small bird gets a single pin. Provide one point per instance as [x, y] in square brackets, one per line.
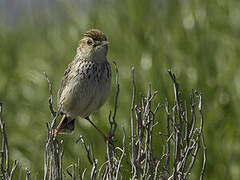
[86, 82]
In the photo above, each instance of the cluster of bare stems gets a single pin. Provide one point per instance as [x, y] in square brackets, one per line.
[182, 142]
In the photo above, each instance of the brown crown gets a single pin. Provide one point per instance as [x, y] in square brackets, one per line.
[96, 35]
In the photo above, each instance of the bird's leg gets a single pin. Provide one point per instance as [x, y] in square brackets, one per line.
[103, 135]
[58, 127]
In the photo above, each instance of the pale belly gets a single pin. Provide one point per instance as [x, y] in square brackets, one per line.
[83, 97]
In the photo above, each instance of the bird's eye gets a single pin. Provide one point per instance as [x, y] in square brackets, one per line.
[89, 42]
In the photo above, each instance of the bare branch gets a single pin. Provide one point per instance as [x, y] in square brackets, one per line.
[167, 162]
[71, 174]
[123, 154]
[50, 99]
[28, 174]
[204, 157]
[15, 164]
[182, 142]
[132, 125]
[5, 152]
[52, 154]
[202, 135]
[113, 122]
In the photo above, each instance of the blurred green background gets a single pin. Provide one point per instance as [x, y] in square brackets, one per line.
[198, 40]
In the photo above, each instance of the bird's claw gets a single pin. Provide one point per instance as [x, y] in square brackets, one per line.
[55, 134]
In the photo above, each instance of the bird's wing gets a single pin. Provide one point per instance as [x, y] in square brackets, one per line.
[65, 80]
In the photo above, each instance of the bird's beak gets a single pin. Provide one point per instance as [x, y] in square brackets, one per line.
[105, 43]
[101, 43]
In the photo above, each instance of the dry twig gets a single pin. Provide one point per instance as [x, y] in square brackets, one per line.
[182, 142]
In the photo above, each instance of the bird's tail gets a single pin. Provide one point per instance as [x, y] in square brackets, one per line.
[67, 126]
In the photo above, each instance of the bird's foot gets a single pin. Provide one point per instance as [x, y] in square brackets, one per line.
[55, 134]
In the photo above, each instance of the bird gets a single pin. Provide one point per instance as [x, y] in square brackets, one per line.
[86, 82]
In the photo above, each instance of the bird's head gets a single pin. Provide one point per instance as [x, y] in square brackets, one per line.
[93, 45]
